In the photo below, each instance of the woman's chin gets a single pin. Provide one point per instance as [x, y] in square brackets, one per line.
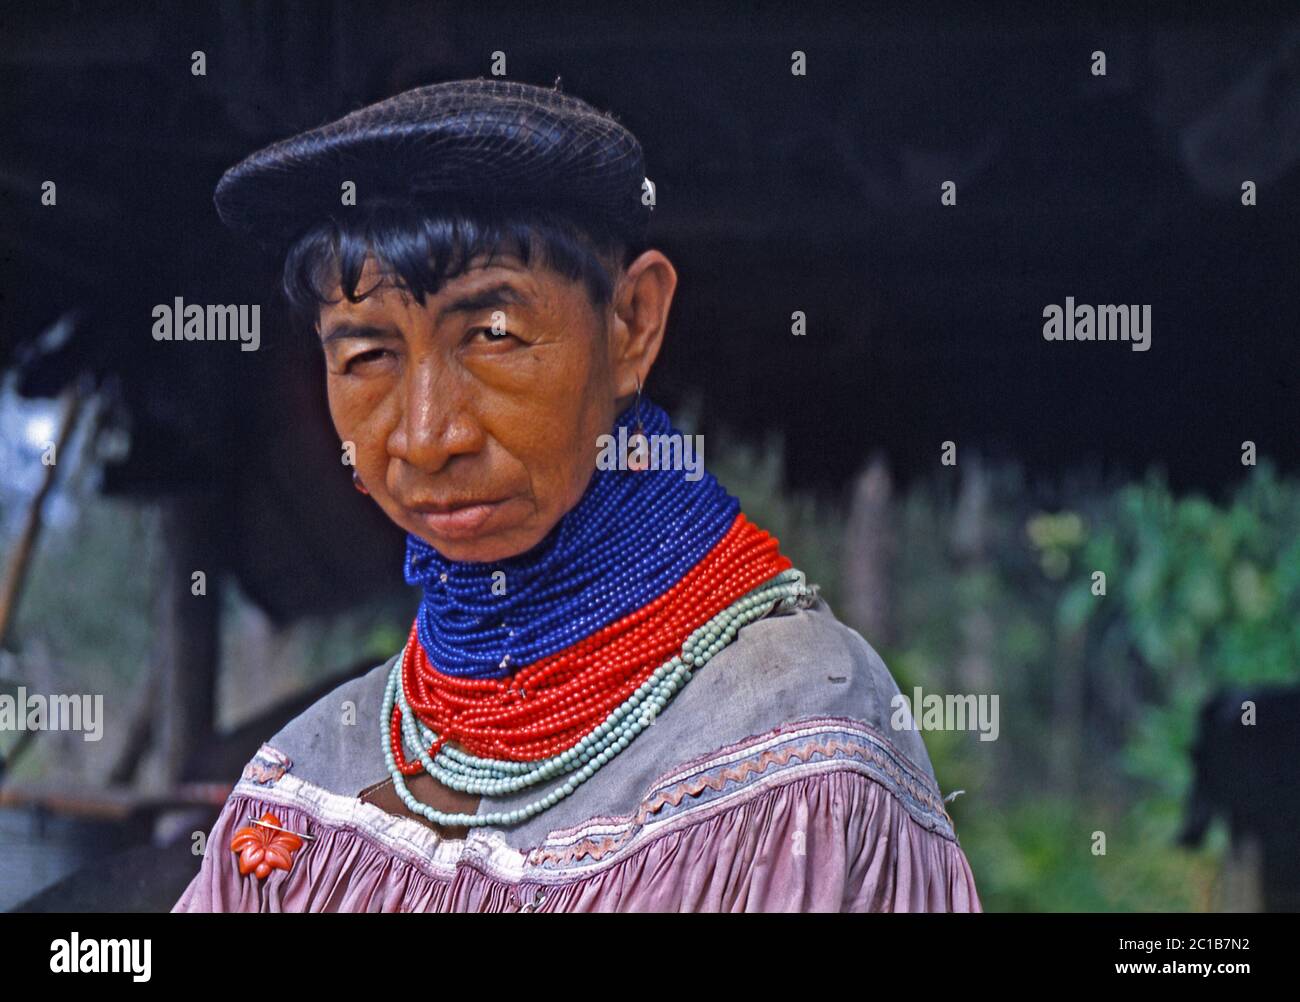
[475, 537]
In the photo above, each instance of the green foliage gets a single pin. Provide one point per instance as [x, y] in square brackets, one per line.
[1198, 596]
[1038, 856]
[1208, 595]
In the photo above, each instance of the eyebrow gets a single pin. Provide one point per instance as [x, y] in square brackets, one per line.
[345, 330]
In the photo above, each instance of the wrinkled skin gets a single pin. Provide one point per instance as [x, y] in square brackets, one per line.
[443, 409]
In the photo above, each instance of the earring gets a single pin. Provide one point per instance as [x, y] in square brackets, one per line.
[356, 482]
[638, 457]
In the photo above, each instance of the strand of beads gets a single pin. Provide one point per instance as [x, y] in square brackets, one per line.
[495, 778]
[545, 707]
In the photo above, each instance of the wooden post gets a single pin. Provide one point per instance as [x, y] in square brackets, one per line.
[187, 638]
[868, 546]
[974, 673]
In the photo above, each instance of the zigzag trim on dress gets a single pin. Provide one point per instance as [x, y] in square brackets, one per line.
[736, 774]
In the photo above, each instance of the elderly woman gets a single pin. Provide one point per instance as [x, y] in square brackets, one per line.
[617, 693]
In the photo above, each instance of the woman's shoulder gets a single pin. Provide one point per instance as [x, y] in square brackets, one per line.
[805, 663]
[797, 695]
[335, 743]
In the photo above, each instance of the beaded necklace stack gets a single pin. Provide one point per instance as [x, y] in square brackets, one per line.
[550, 663]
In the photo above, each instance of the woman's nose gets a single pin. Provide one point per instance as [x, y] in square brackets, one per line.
[438, 422]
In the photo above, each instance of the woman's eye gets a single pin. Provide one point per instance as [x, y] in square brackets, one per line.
[374, 355]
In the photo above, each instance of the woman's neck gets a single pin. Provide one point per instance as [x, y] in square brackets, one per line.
[628, 540]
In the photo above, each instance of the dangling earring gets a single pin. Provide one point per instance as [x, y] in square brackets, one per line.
[356, 482]
[638, 446]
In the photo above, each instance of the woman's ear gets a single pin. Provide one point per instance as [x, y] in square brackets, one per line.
[642, 299]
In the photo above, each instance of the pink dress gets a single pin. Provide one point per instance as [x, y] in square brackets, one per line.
[772, 782]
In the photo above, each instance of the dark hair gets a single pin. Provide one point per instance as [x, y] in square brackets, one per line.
[419, 250]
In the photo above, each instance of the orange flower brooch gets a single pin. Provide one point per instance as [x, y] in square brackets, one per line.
[265, 845]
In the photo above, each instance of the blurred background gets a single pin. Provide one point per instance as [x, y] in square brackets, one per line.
[126, 463]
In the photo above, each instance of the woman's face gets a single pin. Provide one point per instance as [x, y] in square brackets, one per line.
[472, 435]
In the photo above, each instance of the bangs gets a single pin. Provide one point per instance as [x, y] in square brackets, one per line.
[419, 252]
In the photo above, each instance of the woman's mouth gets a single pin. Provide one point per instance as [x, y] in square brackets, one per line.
[457, 521]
